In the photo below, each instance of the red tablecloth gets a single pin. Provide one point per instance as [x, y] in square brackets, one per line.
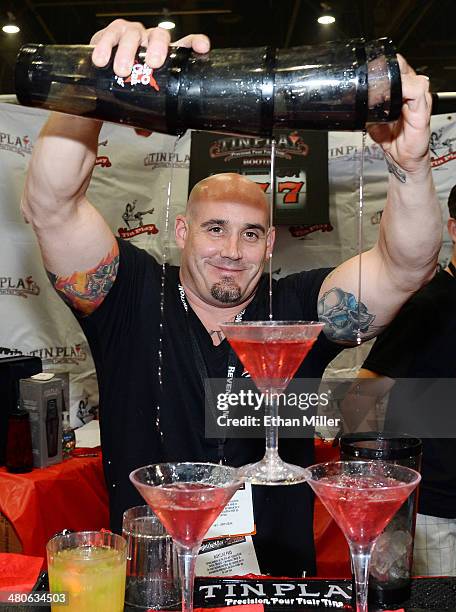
[71, 495]
[331, 546]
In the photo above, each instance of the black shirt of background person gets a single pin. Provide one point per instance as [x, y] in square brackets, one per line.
[421, 343]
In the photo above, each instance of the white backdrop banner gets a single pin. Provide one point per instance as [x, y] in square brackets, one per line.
[130, 188]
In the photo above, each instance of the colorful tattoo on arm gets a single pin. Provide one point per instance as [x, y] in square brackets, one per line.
[339, 311]
[85, 291]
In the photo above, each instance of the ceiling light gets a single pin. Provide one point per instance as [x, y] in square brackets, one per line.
[11, 29]
[326, 19]
[167, 25]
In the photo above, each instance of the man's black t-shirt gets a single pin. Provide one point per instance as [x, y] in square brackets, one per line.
[124, 336]
[421, 343]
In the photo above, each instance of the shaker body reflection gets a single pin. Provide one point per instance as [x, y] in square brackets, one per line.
[334, 86]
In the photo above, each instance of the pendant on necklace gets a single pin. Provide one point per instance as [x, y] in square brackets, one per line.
[218, 332]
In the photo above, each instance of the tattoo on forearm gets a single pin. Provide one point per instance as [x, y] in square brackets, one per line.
[394, 169]
[338, 310]
[85, 291]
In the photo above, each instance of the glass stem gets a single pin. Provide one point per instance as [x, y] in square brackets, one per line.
[272, 431]
[187, 561]
[360, 555]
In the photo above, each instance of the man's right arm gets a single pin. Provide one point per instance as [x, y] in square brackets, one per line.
[79, 250]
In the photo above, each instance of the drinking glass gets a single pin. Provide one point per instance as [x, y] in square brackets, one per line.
[187, 498]
[391, 562]
[152, 571]
[90, 567]
[272, 351]
[362, 497]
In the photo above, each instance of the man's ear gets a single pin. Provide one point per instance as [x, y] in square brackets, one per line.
[270, 239]
[451, 225]
[180, 230]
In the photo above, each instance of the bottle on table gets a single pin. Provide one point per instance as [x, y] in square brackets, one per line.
[68, 436]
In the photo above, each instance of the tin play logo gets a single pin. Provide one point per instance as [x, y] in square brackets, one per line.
[134, 220]
[22, 287]
[21, 145]
[56, 355]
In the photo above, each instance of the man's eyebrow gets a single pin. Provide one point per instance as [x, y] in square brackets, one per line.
[224, 222]
[257, 226]
[214, 222]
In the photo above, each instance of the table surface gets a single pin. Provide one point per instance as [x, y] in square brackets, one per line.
[73, 495]
[427, 594]
[68, 495]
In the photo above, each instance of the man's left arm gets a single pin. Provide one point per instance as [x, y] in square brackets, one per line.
[405, 255]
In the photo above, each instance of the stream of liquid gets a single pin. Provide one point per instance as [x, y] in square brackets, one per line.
[164, 262]
[360, 233]
[271, 216]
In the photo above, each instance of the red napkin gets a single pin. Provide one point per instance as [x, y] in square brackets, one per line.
[19, 572]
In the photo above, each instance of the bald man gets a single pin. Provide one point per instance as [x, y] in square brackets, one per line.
[225, 238]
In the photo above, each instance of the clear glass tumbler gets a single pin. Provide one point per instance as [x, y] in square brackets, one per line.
[152, 566]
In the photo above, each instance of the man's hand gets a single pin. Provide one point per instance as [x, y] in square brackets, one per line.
[406, 141]
[128, 36]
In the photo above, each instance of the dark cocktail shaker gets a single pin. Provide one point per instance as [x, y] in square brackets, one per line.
[19, 454]
[334, 86]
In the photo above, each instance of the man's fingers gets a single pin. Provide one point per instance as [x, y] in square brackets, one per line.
[158, 41]
[126, 52]
[415, 92]
[198, 42]
[127, 35]
[104, 41]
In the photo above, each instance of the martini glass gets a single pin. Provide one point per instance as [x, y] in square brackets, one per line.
[272, 351]
[187, 498]
[362, 497]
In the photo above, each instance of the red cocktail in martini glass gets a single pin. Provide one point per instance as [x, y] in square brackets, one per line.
[272, 351]
[187, 498]
[362, 497]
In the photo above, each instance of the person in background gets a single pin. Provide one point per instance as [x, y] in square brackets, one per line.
[114, 288]
[420, 344]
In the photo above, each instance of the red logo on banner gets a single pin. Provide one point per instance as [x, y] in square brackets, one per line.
[300, 231]
[151, 228]
[134, 221]
[103, 161]
[441, 140]
[444, 159]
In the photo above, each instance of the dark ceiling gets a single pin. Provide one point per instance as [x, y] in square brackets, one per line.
[423, 30]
